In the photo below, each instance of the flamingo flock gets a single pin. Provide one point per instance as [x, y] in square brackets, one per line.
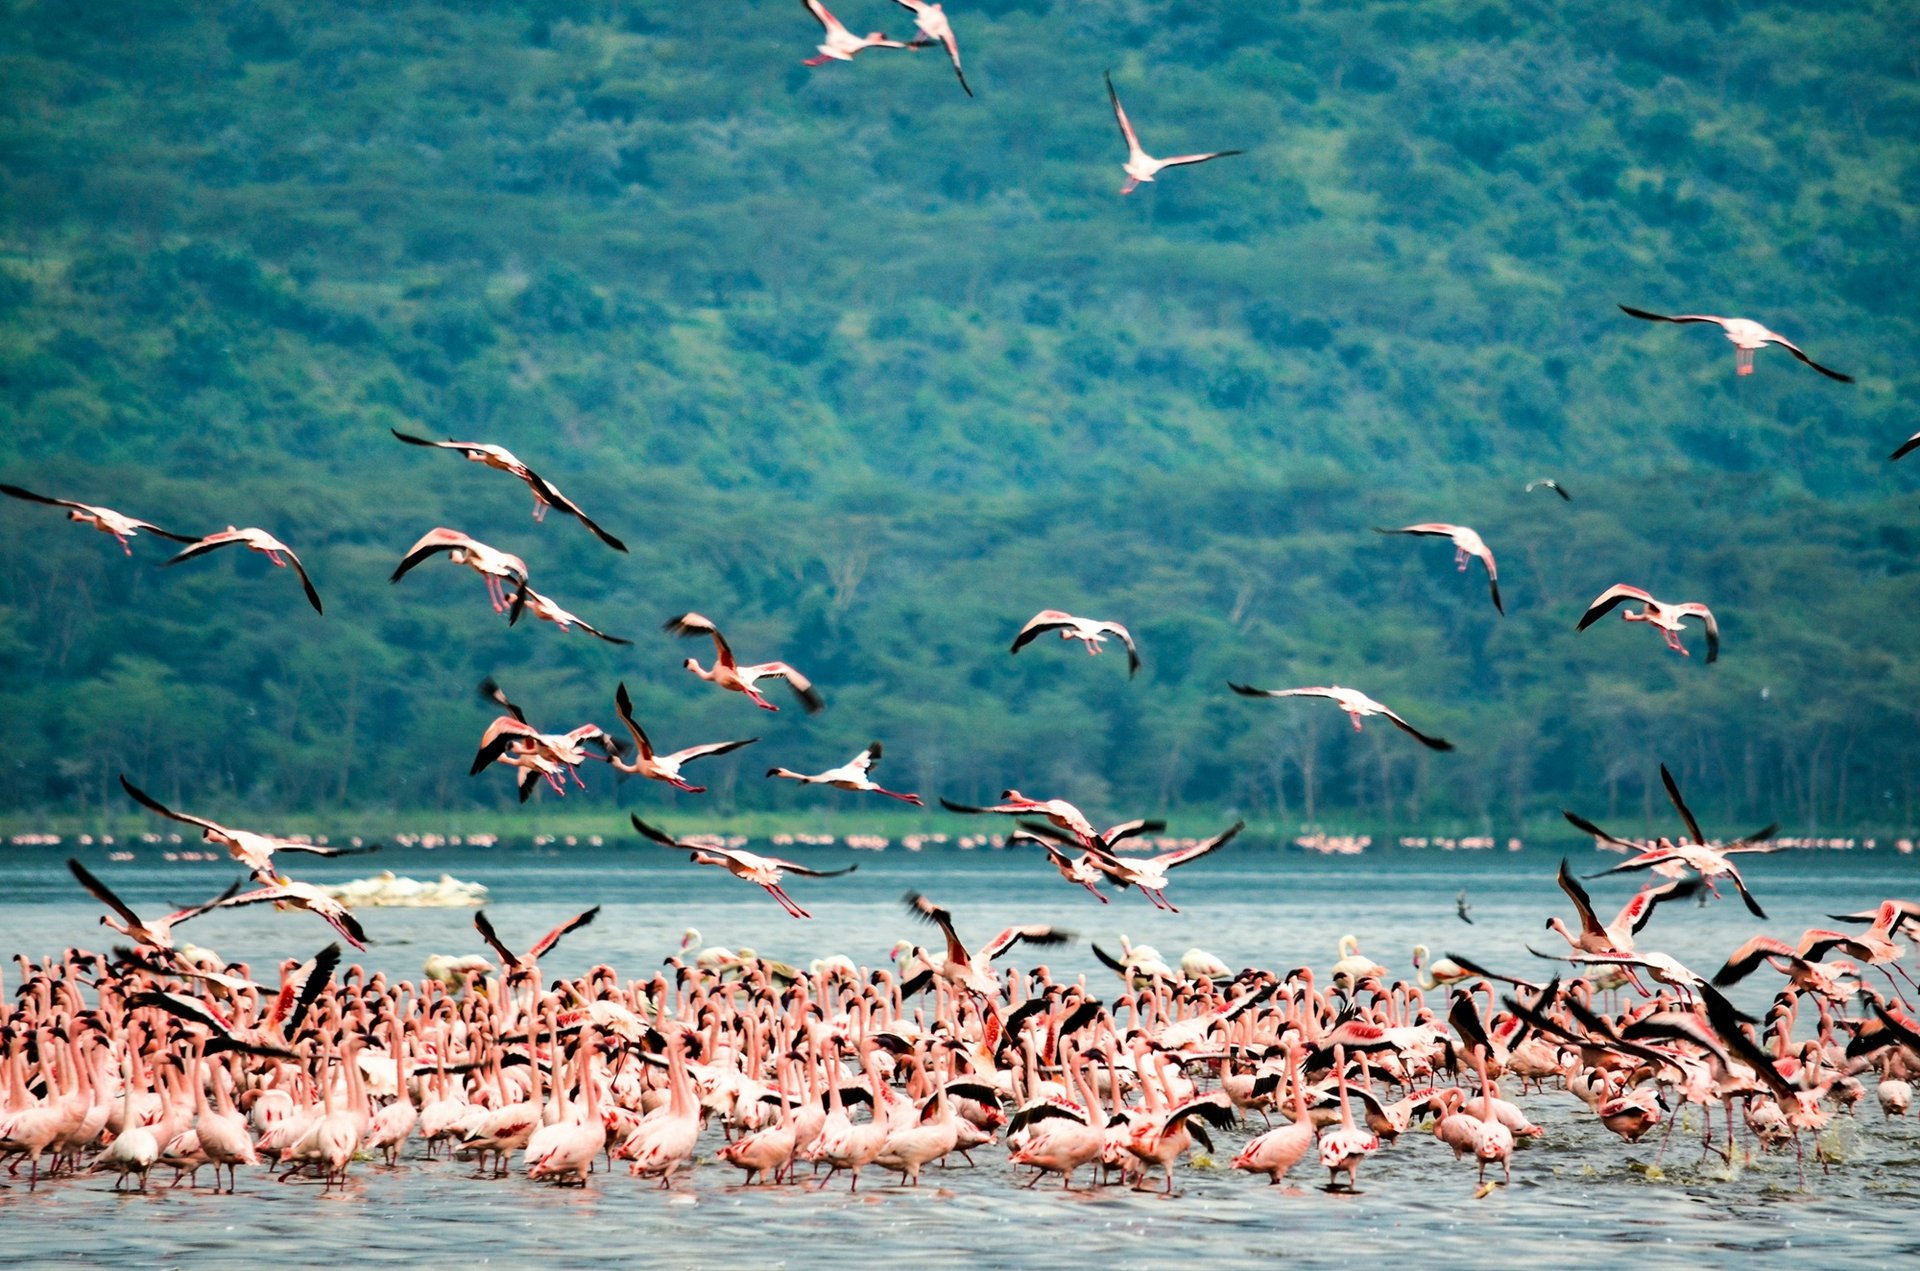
[142, 1060]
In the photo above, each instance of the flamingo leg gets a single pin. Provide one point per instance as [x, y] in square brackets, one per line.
[759, 701]
[124, 545]
[1356, 721]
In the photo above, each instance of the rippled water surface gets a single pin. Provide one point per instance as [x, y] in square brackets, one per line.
[1579, 1196]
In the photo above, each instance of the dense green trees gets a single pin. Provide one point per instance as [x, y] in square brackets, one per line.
[869, 372]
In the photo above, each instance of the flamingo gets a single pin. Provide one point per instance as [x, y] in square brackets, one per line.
[1342, 1148]
[1747, 336]
[257, 540]
[1075, 869]
[1149, 873]
[840, 44]
[108, 521]
[1280, 1149]
[729, 674]
[851, 775]
[294, 895]
[1551, 484]
[1091, 631]
[157, 934]
[931, 19]
[525, 968]
[1058, 812]
[543, 608]
[970, 970]
[1466, 544]
[490, 563]
[762, 871]
[1141, 166]
[1669, 619]
[1616, 936]
[1355, 703]
[255, 851]
[499, 458]
[657, 767]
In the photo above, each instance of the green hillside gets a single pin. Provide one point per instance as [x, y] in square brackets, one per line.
[869, 372]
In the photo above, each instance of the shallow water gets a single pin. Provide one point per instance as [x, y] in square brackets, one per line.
[1576, 1196]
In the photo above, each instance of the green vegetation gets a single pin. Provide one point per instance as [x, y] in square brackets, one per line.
[869, 372]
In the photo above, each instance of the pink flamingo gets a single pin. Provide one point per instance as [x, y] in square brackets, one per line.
[499, 458]
[1355, 703]
[729, 674]
[257, 540]
[106, 520]
[1141, 166]
[1091, 631]
[762, 871]
[1668, 619]
[1466, 544]
[1747, 335]
[851, 775]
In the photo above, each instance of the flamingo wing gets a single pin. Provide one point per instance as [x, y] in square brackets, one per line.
[623, 706]
[1680, 805]
[487, 933]
[1431, 743]
[103, 893]
[31, 497]
[1247, 691]
[1906, 448]
[711, 748]
[431, 543]
[550, 493]
[200, 547]
[807, 872]
[1126, 638]
[1168, 860]
[1120, 114]
[1795, 349]
[1606, 600]
[152, 804]
[810, 699]
[1638, 912]
[1581, 823]
[1695, 609]
[1031, 934]
[1684, 317]
[464, 447]
[689, 625]
[1582, 903]
[661, 836]
[1130, 829]
[306, 583]
[927, 911]
[1180, 160]
[552, 938]
[826, 19]
[1041, 623]
[863, 762]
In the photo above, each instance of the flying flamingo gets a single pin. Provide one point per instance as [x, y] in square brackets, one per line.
[729, 674]
[657, 767]
[1616, 936]
[1670, 619]
[1091, 631]
[1747, 336]
[1550, 484]
[1674, 860]
[543, 608]
[491, 564]
[259, 541]
[1355, 703]
[1149, 873]
[841, 45]
[157, 934]
[970, 971]
[762, 871]
[255, 851]
[1141, 166]
[545, 493]
[1057, 812]
[526, 967]
[1466, 544]
[851, 775]
[294, 895]
[935, 29]
[1075, 869]
[108, 521]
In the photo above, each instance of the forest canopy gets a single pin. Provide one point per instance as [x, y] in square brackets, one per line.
[869, 372]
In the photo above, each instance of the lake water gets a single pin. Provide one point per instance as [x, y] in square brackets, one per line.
[1577, 1197]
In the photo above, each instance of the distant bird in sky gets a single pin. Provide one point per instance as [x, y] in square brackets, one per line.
[260, 541]
[1747, 336]
[1907, 447]
[1550, 484]
[546, 610]
[935, 29]
[545, 493]
[255, 851]
[1466, 544]
[1141, 166]
[659, 767]
[1462, 908]
[762, 871]
[106, 520]
[494, 566]
[1355, 703]
[1091, 631]
[1670, 619]
[851, 775]
[840, 44]
[730, 675]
